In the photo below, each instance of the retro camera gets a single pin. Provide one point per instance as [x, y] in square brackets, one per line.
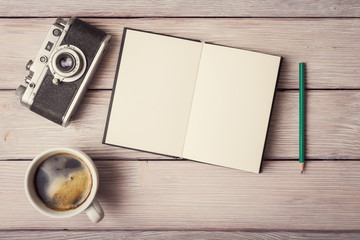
[61, 72]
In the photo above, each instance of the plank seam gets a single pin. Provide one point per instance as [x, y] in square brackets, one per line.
[183, 160]
[278, 89]
[195, 17]
[181, 230]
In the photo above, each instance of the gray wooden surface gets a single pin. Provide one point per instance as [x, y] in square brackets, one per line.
[185, 195]
[147, 196]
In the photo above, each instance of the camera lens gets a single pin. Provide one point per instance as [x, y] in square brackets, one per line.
[68, 63]
[65, 62]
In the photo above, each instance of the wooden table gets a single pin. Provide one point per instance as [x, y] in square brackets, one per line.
[148, 196]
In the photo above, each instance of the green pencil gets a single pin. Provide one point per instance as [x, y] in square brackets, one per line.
[302, 116]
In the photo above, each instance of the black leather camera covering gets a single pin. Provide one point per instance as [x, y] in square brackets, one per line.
[52, 101]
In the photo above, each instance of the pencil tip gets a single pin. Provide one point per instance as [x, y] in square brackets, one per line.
[302, 167]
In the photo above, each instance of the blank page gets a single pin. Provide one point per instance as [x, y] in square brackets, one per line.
[153, 94]
[231, 107]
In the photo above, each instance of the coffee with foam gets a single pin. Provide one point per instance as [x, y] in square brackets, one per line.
[63, 182]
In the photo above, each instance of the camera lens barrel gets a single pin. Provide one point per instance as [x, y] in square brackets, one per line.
[68, 63]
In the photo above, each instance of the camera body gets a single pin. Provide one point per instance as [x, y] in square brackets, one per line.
[62, 70]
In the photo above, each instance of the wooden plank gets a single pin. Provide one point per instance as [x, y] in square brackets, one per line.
[171, 8]
[24, 134]
[332, 128]
[165, 235]
[328, 46]
[184, 195]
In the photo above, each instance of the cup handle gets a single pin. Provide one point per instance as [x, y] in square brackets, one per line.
[95, 211]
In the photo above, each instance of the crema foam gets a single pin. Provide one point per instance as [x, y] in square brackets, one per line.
[63, 182]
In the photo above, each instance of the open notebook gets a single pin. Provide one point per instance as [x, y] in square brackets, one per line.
[193, 100]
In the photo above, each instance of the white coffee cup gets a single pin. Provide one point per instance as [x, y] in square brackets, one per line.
[90, 206]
